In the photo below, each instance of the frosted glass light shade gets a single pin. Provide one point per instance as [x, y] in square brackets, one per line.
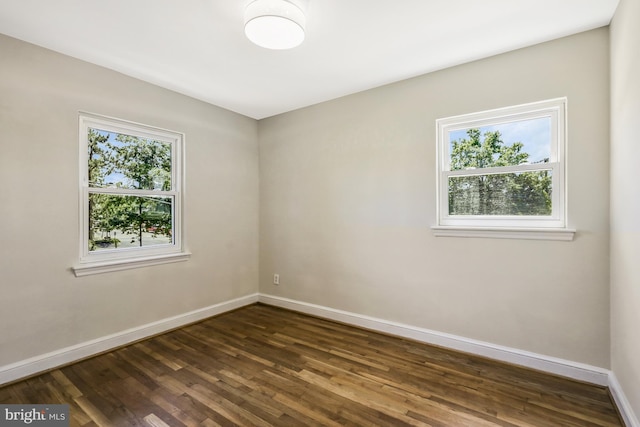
[274, 24]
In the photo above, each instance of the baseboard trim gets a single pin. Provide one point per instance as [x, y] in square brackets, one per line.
[45, 362]
[565, 368]
[628, 416]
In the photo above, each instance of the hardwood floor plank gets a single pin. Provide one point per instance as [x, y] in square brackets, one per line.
[153, 420]
[92, 412]
[265, 366]
[175, 411]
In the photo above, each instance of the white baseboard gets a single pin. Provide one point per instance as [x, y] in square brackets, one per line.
[628, 416]
[565, 368]
[51, 360]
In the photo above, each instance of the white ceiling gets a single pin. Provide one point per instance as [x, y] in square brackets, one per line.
[198, 47]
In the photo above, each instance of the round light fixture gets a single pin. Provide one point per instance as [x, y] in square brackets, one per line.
[274, 24]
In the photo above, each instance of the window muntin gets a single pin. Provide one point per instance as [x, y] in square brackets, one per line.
[503, 168]
[131, 177]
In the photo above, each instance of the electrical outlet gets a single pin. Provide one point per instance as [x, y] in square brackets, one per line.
[276, 279]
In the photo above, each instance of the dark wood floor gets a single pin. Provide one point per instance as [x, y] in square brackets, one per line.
[264, 366]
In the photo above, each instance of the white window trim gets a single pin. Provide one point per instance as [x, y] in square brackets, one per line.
[560, 234]
[553, 227]
[122, 259]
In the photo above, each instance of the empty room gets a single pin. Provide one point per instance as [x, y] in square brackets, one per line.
[319, 212]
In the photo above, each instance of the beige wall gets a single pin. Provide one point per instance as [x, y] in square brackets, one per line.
[43, 306]
[347, 196]
[625, 200]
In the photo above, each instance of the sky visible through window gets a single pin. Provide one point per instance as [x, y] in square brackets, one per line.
[535, 134]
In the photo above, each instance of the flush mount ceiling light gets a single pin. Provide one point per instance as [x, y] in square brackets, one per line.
[274, 24]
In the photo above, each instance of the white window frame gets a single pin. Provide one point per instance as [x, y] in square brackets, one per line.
[552, 227]
[94, 262]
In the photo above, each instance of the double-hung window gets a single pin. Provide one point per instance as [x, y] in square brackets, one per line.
[131, 186]
[501, 173]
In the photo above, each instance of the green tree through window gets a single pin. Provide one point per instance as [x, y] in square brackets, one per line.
[126, 162]
[496, 193]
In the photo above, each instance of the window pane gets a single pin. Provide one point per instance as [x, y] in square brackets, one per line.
[504, 144]
[125, 161]
[525, 193]
[123, 221]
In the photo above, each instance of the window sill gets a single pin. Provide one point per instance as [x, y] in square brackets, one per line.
[559, 234]
[99, 267]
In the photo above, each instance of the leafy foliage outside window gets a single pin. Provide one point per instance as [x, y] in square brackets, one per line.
[122, 170]
[513, 193]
